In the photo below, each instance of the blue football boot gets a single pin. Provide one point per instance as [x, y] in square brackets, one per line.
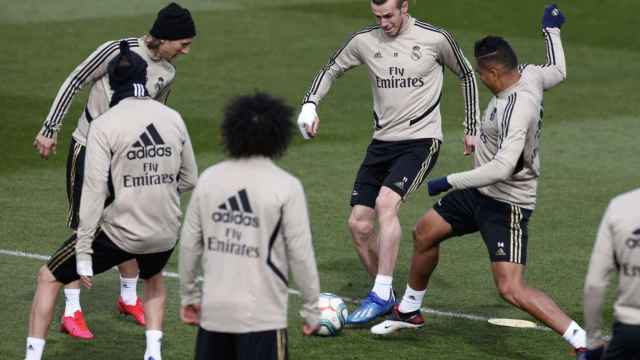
[371, 308]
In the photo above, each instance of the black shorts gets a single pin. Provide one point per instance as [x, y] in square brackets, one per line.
[625, 342]
[75, 173]
[399, 165]
[262, 345]
[106, 255]
[503, 226]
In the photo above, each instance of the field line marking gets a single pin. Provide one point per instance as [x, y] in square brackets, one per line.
[173, 275]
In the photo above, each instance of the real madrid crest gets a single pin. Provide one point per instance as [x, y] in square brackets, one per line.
[415, 53]
[160, 83]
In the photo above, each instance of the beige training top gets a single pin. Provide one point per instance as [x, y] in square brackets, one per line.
[139, 153]
[406, 74]
[507, 156]
[93, 71]
[616, 250]
[247, 228]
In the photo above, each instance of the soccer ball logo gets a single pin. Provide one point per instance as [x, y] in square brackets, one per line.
[333, 314]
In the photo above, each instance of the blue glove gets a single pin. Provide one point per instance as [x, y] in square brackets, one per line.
[552, 17]
[437, 186]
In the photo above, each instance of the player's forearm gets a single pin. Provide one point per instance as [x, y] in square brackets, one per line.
[91, 208]
[490, 173]
[555, 69]
[305, 273]
[190, 257]
[302, 261]
[191, 252]
[321, 84]
[593, 303]
[60, 106]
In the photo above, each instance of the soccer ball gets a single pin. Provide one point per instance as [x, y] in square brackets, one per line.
[333, 314]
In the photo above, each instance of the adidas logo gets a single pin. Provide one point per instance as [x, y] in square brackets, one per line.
[500, 252]
[236, 210]
[149, 145]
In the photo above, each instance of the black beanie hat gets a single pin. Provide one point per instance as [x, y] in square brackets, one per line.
[173, 22]
[127, 74]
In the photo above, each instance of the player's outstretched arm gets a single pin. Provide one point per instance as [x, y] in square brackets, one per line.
[345, 58]
[92, 68]
[554, 71]
[503, 165]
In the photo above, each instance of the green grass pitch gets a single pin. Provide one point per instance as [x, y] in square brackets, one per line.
[589, 154]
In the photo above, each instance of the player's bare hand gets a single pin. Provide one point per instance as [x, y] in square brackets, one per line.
[86, 281]
[469, 144]
[312, 129]
[190, 314]
[45, 146]
[308, 330]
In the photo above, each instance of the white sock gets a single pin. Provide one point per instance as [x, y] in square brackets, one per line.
[382, 286]
[154, 341]
[71, 301]
[411, 300]
[35, 347]
[128, 291]
[575, 335]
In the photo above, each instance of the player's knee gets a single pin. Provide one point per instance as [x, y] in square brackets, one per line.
[360, 227]
[45, 275]
[422, 242]
[510, 292]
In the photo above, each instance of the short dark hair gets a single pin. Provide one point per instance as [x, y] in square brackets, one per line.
[494, 49]
[382, 2]
[256, 125]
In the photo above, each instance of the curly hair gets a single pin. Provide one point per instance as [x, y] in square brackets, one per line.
[256, 125]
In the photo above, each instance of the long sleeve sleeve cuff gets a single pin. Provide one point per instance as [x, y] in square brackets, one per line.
[191, 298]
[48, 132]
[83, 257]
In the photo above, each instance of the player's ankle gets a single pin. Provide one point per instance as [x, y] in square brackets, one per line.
[383, 286]
[71, 301]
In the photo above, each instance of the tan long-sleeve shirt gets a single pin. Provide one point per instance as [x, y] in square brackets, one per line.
[247, 228]
[507, 156]
[616, 250]
[93, 71]
[139, 152]
[406, 74]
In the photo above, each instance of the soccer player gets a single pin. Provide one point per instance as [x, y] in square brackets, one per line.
[139, 160]
[170, 36]
[405, 58]
[247, 228]
[498, 196]
[617, 249]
